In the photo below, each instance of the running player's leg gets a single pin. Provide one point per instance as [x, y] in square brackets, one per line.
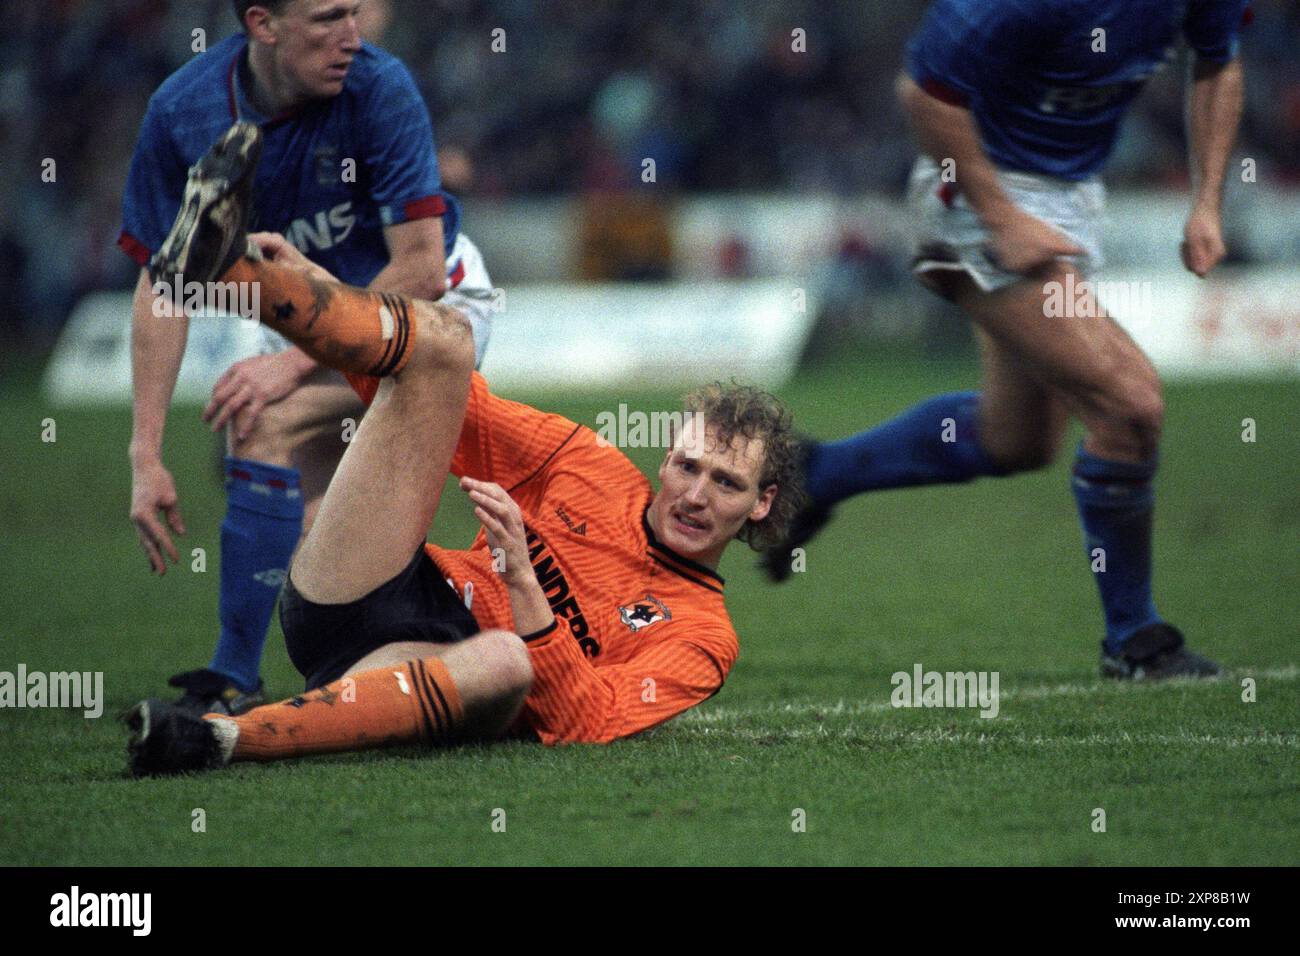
[1032, 374]
[1012, 424]
[1021, 420]
[1091, 363]
[938, 440]
[1102, 377]
[946, 438]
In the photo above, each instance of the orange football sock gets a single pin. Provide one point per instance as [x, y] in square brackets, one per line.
[341, 327]
[415, 702]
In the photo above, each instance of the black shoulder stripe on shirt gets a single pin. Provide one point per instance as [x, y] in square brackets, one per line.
[689, 577]
[680, 559]
[547, 462]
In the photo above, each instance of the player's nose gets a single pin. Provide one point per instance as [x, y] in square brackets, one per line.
[351, 35]
[697, 491]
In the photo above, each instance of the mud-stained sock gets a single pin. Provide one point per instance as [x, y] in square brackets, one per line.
[415, 702]
[342, 327]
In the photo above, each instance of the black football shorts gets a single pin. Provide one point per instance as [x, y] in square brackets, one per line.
[325, 640]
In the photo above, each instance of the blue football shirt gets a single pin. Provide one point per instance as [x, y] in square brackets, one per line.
[332, 175]
[1048, 81]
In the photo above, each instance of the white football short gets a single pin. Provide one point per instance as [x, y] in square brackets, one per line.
[470, 290]
[950, 236]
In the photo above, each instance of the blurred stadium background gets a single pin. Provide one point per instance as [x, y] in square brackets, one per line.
[770, 165]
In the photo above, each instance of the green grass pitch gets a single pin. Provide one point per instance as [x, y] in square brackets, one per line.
[989, 576]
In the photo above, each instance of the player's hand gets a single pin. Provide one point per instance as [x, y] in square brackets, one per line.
[152, 491]
[281, 251]
[249, 386]
[1026, 243]
[1203, 247]
[503, 526]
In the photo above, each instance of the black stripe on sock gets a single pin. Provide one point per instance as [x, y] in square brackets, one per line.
[443, 717]
[378, 368]
[397, 306]
[421, 701]
[446, 709]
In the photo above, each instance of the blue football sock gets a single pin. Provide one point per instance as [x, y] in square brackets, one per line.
[262, 526]
[934, 442]
[1116, 503]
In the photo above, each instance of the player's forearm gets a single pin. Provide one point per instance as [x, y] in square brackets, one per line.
[417, 277]
[157, 347]
[1213, 115]
[528, 605]
[947, 132]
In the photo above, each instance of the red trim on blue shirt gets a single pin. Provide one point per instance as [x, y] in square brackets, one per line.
[424, 208]
[134, 248]
[457, 274]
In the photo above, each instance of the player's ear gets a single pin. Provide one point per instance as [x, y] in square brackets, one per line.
[764, 504]
[257, 24]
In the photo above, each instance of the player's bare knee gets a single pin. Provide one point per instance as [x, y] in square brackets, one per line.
[272, 438]
[1127, 419]
[1144, 410]
[444, 339]
[506, 659]
[1151, 407]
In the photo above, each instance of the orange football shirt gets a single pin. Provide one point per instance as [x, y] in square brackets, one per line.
[641, 633]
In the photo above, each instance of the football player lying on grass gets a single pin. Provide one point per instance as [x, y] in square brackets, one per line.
[589, 607]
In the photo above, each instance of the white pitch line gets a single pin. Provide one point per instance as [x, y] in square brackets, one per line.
[940, 735]
[843, 708]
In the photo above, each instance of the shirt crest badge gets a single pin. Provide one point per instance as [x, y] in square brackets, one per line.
[643, 613]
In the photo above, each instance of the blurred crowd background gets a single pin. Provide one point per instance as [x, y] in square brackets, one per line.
[583, 90]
